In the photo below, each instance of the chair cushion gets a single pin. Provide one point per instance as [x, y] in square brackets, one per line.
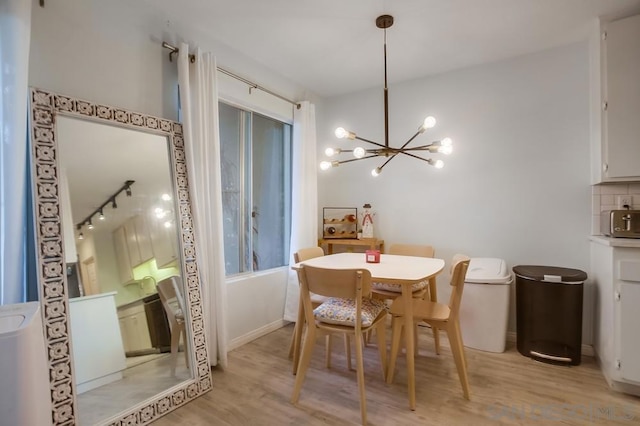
[397, 288]
[343, 311]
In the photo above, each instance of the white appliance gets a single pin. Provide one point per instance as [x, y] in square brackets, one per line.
[24, 375]
[484, 310]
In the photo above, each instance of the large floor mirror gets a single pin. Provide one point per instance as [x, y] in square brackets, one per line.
[119, 288]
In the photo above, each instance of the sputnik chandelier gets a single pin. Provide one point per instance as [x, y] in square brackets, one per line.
[443, 146]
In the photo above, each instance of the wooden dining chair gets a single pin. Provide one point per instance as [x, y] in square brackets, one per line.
[173, 305]
[294, 348]
[442, 316]
[390, 291]
[349, 310]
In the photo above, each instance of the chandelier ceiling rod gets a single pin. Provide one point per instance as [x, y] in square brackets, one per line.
[384, 22]
[443, 146]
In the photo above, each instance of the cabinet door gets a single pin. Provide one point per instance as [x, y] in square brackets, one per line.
[622, 77]
[142, 237]
[122, 255]
[135, 332]
[629, 336]
[132, 243]
[164, 243]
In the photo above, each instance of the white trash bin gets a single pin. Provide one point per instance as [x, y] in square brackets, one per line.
[484, 310]
[24, 373]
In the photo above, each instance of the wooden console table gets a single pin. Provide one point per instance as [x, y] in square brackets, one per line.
[369, 243]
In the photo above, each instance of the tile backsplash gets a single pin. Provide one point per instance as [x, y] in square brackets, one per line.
[604, 197]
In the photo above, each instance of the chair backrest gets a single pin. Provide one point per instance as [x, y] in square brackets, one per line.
[459, 266]
[307, 253]
[343, 283]
[171, 299]
[412, 250]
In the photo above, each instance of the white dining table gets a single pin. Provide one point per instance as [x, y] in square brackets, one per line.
[402, 270]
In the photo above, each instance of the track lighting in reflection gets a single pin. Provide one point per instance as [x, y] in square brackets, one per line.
[81, 236]
[99, 211]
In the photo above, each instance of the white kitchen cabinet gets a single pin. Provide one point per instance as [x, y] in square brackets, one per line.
[615, 265]
[125, 271]
[138, 241]
[615, 71]
[134, 328]
[164, 242]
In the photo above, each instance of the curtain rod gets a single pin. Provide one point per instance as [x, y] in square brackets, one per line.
[252, 85]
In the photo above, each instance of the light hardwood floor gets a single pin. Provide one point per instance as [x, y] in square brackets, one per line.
[506, 388]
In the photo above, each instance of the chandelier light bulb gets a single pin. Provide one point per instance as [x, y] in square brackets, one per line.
[429, 122]
[445, 149]
[330, 152]
[341, 133]
[446, 142]
[325, 165]
[359, 152]
[375, 172]
[439, 164]
[167, 224]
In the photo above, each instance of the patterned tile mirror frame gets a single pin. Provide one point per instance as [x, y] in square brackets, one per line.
[44, 108]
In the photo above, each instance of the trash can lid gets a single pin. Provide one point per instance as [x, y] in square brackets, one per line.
[486, 270]
[550, 273]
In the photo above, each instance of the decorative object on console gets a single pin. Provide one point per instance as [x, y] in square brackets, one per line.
[339, 222]
[372, 256]
[442, 146]
[367, 221]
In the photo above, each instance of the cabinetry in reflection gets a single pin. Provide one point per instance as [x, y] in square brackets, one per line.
[134, 328]
[139, 240]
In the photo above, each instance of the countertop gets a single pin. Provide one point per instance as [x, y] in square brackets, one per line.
[93, 296]
[615, 242]
[141, 299]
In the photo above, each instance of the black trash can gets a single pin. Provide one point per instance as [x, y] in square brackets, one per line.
[549, 313]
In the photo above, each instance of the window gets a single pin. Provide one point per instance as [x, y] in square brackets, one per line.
[256, 190]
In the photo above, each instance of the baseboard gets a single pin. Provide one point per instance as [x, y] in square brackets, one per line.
[586, 350]
[253, 335]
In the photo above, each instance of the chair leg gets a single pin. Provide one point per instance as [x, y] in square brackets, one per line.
[436, 339]
[292, 343]
[186, 351]
[457, 349]
[382, 347]
[360, 373]
[396, 332]
[305, 359]
[175, 342]
[327, 354]
[347, 351]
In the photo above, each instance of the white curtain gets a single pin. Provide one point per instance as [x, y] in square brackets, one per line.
[15, 36]
[199, 103]
[304, 197]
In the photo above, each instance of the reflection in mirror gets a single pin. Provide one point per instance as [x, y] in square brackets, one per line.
[114, 227]
[121, 245]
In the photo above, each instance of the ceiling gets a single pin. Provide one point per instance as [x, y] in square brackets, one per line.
[333, 47]
[97, 159]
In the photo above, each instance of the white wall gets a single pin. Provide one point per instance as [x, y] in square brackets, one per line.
[111, 52]
[517, 184]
